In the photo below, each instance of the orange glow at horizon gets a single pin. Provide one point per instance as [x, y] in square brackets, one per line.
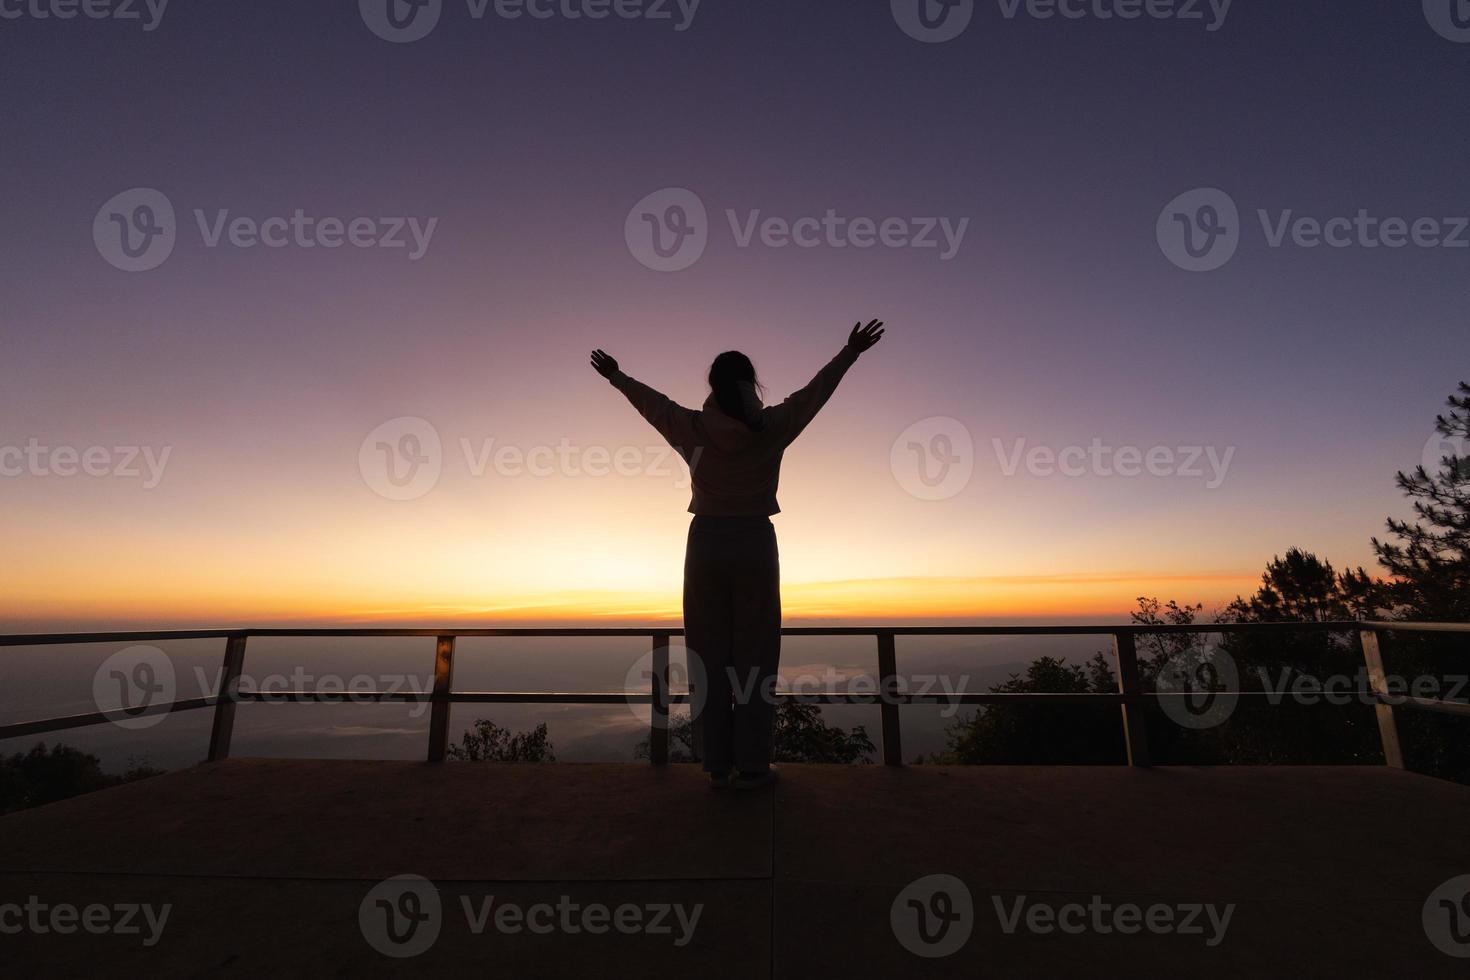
[1103, 598]
[273, 523]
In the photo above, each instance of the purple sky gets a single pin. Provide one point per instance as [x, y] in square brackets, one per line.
[1059, 320]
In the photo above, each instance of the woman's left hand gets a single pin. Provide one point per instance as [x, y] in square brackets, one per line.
[604, 363]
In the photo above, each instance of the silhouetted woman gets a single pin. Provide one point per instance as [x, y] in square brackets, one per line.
[732, 575]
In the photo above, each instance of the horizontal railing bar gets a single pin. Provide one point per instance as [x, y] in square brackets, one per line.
[330, 696]
[1080, 630]
[24, 728]
[467, 697]
[127, 636]
[569, 697]
[568, 631]
[37, 639]
[821, 697]
[1392, 627]
[1427, 704]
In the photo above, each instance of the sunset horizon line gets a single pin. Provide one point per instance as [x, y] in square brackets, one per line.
[1097, 596]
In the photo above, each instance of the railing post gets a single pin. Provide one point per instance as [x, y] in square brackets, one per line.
[439, 699]
[224, 708]
[658, 733]
[888, 707]
[1388, 729]
[1135, 733]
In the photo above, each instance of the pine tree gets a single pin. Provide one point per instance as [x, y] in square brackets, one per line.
[1431, 559]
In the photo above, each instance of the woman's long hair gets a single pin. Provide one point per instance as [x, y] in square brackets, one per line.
[726, 374]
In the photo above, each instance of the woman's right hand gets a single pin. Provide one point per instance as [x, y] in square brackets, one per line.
[863, 338]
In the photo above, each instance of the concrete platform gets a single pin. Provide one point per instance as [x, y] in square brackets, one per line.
[277, 867]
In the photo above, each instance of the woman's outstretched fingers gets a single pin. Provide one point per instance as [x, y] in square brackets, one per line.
[603, 363]
[864, 337]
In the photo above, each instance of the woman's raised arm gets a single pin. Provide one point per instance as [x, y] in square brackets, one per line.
[673, 421]
[796, 412]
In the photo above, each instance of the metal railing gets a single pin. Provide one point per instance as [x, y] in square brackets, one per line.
[1129, 697]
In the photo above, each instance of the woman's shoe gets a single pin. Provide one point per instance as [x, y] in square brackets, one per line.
[754, 780]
